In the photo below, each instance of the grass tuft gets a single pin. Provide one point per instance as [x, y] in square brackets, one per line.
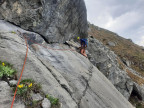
[54, 101]
[25, 88]
[6, 70]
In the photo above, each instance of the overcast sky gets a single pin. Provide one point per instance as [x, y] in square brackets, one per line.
[124, 17]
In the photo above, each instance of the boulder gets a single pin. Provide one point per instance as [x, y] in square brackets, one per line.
[111, 44]
[55, 20]
[126, 62]
[46, 103]
[12, 82]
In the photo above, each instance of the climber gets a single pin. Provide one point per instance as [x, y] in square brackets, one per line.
[83, 43]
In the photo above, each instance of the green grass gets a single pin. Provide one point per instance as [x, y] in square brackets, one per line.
[36, 86]
[13, 32]
[6, 70]
[25, 81]
[25, 88]
[54, 101]
[139, 105]
[136, 102]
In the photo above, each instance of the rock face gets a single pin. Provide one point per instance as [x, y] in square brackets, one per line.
[64, 74]
[37, 97]
[13, 83]
[138, 85]
[4, 89]
[46, 103]
[6, 98]
[139, 90]
[107, 63]
[55, 20]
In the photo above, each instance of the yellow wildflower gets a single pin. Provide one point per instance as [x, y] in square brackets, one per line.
[20, 86]
[30, 85]
[3, 64]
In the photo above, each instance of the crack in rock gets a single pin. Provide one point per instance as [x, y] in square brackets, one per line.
[62, 85]
[11, 40]
[2, 47]
[87, 84]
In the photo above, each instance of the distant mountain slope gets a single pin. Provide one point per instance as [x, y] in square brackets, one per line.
[131, 54]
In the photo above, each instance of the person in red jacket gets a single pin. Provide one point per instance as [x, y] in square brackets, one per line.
[83, 43]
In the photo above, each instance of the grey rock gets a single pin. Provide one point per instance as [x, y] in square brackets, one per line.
[13, 82]
[56, 20]
[130, 40]
[5, 94]
[126, 62]
[107, 63]
[13, 44]
[6, 97]
[1, 16]
[112, 44]
[64, 74]
[36, 97]
[19, 104]
[137, 87]
[100, 94]
[46, 103]
[142, 48]
[73, 44]
[139, 90]
[129, 84]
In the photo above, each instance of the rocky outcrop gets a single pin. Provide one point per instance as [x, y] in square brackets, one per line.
[107, 63]
[138, 87]
[139, 90]
[117, 70]
[62, 72]
[127, 59]
[55, 20]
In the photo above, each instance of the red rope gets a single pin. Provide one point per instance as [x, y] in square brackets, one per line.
[49, 47]
[21, 73]
[25, 62]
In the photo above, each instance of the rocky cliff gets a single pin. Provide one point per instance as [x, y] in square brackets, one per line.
[124, 70]
[55, 20]
[107, 62]
[62, 73]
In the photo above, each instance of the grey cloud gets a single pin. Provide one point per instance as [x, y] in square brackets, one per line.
[126, 16]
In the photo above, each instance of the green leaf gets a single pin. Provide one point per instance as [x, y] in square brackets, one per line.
[1, 74]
